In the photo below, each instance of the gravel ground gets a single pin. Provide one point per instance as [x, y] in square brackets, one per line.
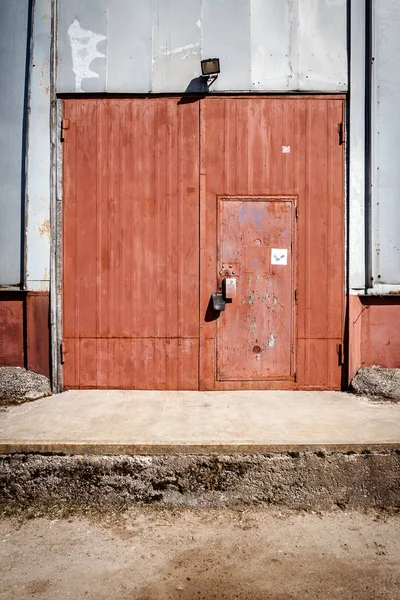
[17, 385]
[161, 554]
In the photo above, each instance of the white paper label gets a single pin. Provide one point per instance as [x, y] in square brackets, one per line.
[279, 256]
[285, 149]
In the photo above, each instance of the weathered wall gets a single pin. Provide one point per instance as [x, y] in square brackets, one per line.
[24, 331]
[141, 46]
[38, 159]
[14, 25]
[385, 124]
[354, 336]
[12, 329]
[374, 332]
[380, 334]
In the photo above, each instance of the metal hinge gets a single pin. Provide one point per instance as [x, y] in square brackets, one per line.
[342, 133]
[339, 349]
[295, 377]
[296, 295]
[292, 348]
[297, 212]
[64, 126]
[63, 352]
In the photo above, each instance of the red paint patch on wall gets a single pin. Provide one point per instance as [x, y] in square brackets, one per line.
[15, 307]
[356, 310]
[38, 332]
[380, 332]
[11, 329]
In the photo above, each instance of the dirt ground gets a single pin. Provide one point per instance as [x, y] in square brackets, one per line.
[153, 554]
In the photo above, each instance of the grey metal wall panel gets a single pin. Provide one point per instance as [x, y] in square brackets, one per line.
[322, 43]
[82, 45]
[38, 163]
[385, 144]
[129, 49]
[226, 34]
[264, 45]
[176, 44]
[274, 49]
[356, 209]
[13, 49]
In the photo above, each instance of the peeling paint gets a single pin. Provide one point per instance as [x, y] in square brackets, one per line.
[45, 75]
[44, 228]
[84, 51]
[271, 340]
[163, 50]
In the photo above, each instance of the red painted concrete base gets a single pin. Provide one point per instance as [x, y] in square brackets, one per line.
[24, 331]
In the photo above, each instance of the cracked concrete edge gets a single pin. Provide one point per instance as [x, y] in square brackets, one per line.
[303, 480]
[105, 449]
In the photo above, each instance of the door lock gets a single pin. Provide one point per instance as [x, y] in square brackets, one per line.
[218, 301]
[228, 292]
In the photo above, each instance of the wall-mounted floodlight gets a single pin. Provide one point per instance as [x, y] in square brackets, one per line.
[210, 69]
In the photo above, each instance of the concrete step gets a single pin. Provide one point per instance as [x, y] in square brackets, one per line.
[310, 450]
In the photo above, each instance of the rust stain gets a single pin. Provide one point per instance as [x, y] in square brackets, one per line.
[44, 80]
[44, 228]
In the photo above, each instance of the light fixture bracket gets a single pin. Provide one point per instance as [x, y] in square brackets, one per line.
[209, 69]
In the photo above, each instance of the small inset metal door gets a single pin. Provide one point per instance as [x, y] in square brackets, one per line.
[255, 331]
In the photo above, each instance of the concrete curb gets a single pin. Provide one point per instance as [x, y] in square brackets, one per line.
[309, 480]
[107, 449]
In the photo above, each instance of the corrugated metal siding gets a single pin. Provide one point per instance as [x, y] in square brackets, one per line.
[141, 46]
[131, 281]
[242, 153]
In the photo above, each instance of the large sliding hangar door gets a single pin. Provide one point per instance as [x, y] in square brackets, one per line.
[174, 210]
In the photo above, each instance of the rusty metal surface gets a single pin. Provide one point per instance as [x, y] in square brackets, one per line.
[255, 332]
[131, 249]
[280, 147]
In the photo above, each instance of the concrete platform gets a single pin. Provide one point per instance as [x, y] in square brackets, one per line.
[151, 423]
[302, 450]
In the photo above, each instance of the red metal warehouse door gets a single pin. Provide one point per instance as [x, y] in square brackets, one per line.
[167, 203]
[131, 244]
[272, 215]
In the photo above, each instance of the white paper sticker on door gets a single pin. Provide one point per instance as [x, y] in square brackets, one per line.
[279, 256]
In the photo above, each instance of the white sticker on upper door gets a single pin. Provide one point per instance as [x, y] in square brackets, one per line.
[279, 256]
